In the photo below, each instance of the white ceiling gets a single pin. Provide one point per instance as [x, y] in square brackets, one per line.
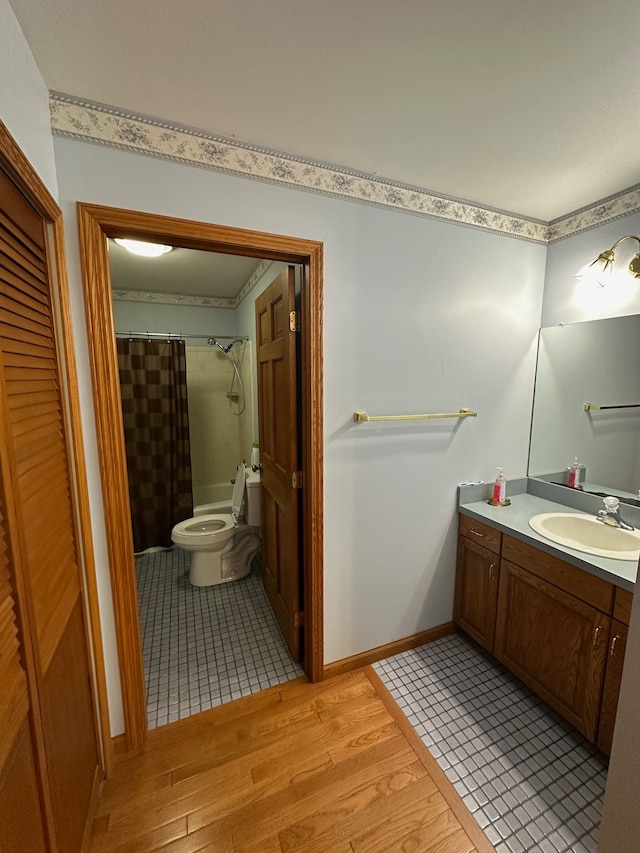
[530, 106]
[182, 271]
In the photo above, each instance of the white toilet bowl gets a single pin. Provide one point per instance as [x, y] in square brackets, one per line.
[221, 545]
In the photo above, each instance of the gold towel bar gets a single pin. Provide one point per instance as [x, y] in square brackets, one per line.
[594, 407]
[363, 417]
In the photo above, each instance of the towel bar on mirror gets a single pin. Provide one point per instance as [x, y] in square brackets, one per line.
[588, 407]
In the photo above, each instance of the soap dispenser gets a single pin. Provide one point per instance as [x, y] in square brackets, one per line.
[499, 497]
[573, 479]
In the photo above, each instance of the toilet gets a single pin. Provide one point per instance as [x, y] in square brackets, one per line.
[222, 545]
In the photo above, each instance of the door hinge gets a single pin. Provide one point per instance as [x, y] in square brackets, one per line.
[294, 321]
[296, 480]
[298, 619]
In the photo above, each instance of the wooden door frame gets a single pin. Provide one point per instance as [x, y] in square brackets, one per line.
[95, 224]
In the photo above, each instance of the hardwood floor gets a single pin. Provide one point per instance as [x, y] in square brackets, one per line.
[332, 767]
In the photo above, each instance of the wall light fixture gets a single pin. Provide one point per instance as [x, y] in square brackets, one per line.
[146, 250]
[600, 270]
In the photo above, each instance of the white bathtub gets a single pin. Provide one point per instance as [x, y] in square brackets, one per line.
[212, 498]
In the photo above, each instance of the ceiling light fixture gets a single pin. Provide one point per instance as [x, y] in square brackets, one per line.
[600, 270]
[146, 250]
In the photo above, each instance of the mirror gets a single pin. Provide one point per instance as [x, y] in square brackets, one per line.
[596, 362]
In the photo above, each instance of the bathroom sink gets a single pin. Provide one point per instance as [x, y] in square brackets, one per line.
[585, 533]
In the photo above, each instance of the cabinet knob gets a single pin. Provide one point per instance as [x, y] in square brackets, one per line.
[476, 532]
[613, 644]
[596, 634]
[491, 568]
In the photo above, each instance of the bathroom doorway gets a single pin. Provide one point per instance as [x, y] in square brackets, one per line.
[189, 411]
[96, 225]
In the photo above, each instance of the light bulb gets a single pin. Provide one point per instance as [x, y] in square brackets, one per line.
[146, 250]
[599, 271]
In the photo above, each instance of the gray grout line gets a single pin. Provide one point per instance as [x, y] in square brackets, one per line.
[203, 646]
[532, 782]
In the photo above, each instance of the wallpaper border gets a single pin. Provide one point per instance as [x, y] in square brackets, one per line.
[104, 125]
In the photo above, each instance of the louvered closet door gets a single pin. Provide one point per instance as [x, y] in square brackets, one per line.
[40, 489]
[21, 824]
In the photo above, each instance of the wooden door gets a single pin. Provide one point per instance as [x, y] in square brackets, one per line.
[37, 485]
[554, 642]
[280, 497]
[476, 596]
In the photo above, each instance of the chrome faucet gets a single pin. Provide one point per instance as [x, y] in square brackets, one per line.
[611, 514]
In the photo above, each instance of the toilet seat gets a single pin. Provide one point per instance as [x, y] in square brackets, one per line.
[203, 530]
[238, 492]
[213, 529]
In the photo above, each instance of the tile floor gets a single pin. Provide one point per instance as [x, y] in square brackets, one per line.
[531, 781]
[203, 646]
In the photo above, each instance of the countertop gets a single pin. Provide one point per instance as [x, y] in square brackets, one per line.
[514, 520]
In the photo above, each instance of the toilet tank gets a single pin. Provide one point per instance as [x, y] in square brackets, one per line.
[253, 498]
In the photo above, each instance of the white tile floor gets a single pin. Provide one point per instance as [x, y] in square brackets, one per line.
[531, 781]
[203, 646]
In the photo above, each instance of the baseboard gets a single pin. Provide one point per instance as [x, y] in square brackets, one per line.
[365, 658]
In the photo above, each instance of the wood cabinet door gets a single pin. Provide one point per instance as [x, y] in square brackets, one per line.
[612, 680]
[555, 643]
[476, 596]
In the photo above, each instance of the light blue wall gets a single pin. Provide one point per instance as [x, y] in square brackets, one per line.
[568, 301]
[24, 98]
[418, 316]
[183, 319]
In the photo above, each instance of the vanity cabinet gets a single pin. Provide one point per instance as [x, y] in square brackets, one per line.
[558, 628]
[477, 576]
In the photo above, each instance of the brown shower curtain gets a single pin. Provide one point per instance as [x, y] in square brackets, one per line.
[153, 386]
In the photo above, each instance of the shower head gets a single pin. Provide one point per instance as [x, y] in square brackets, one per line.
[215, 343]
[226, 350]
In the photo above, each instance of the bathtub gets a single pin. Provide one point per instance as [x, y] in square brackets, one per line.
[212, 498]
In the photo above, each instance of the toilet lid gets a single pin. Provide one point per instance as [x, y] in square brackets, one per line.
[238, 492]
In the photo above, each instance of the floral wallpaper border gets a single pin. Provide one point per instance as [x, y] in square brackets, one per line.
[255, 278]
[97, 123]
[172, 299]
[604, 210]
[120, 295]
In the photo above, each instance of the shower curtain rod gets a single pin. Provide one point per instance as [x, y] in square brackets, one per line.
[179, 335]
